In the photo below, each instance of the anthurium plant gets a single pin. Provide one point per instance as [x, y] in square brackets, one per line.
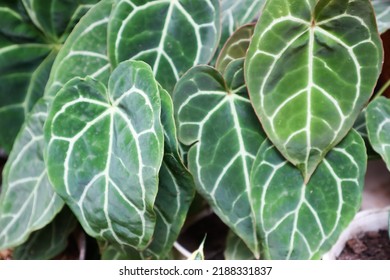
[114, 113]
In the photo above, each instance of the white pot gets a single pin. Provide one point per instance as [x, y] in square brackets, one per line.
[364, 221]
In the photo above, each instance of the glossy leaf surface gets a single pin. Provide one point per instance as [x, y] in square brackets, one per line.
[225, 135]
[28, 201]
[170, 35]
[302, 221]
[310, 69]
[105, 148]
[378, 127]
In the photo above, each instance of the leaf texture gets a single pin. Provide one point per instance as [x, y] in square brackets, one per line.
[225, 135]
[176, 35]
[85, 51]
[298, 220]
[27, 201]
[310, 69]
[104, 153]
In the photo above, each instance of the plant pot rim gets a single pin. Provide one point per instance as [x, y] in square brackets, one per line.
[364, 221]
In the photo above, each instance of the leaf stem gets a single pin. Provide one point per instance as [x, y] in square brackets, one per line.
[382, 89]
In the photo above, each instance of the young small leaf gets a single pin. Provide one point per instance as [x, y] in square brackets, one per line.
[104, 151]
[225, 135]
[298, 220]
[177, 35]
[28, 201]
[198, 255]
[235, 47]
[378, 127]
[310, 69]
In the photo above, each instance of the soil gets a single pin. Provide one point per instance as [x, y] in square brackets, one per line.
[372, 246]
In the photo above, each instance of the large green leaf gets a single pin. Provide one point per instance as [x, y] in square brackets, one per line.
[378, 127]
[310, 69]
[225, 135]
[296, 220]
[50, 241]
[170, 35]
[53, 17]
[237, 13]
[235, 47]
[236, 249]
[85, 51]
[382, 10]
[176, 191]
[105, 148]
[28, 201]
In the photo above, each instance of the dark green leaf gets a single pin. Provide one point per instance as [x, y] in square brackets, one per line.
[310, 69]
[28, 201]
[225, 135]
[170, 35]
[85, 51]
[298, 220]
[104, 151]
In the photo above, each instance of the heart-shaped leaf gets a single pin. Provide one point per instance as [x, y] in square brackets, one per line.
[176, 191]
[85, 51]
[28, 201]
[296, 220]
[236, 248]
[237, 13]
[236, 47]
[170, 35]
[104, 151]
[225, 135]
[382, 10]
[310, 69]
[378, 127]
[49, 241]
